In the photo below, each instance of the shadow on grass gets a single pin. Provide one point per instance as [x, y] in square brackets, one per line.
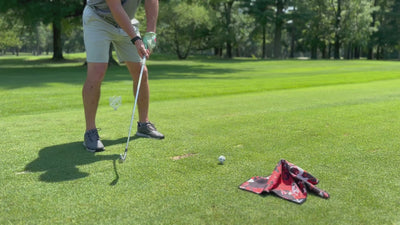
[32, 61]
[59, 163]
[20, 75]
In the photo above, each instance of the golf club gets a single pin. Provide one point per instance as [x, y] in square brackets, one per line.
[123, 157]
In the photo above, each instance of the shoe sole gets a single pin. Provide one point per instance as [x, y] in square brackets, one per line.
[148, 136]
[92, 150]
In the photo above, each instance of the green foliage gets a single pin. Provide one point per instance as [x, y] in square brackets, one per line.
[246, 35]
[44, 10]
[388, 20]
[315, 24]
[263, 13]
[38, 38]
[73, 35]
[16, 36]
[356, 26]
[47, 12]
[262, 10]
[262, 28]
[183, 27]
[10, 30]
[9, 39]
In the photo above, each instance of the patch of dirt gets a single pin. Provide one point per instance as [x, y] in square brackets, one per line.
[183, 156]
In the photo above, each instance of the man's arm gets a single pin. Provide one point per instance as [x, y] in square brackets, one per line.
[121, 17]
[151, 8]
[124, 22]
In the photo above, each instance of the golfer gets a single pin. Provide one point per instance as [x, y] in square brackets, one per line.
[106, 21]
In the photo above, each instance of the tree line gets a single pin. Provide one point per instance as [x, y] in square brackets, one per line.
[349, 29]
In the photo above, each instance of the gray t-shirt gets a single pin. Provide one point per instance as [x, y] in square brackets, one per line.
[101, 9]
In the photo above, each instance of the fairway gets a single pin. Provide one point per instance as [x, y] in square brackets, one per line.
[339, 120]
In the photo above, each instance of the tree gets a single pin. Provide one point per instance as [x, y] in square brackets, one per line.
[386, 38]
[315, 22]
[372, 39]
[357, 18]
[10, 28]
[263, 12]
[245, 27]
[224, 25]
[338, 17]
[46, 11]
[184, 27]
[279, 22]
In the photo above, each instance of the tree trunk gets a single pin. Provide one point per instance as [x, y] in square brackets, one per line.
[182, 54]
[228, 12]
[323, 51]
[229, 49]
[314, 50]
[329, 50]
[370, 44]
[57, 43]
[264, 41]
[337, 28]
[357, 52]
[278, 29]
[111, 60]
[292, 41]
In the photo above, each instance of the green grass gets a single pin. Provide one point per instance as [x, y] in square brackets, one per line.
[339, 120]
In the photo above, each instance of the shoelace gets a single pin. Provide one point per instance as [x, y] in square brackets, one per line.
[149, 126]
[93, 134]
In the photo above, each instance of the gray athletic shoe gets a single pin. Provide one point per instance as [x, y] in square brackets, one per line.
[148, 130]
[92, 141]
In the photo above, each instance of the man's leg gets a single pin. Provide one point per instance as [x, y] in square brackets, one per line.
[91, 92]
[145, 128]
[91, 96]
[144, 92]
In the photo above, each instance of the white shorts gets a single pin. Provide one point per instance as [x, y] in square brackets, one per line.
[98, 34]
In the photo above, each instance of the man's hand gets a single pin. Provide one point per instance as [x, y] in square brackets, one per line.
[124, 22]
[150, 40]
[140, 46]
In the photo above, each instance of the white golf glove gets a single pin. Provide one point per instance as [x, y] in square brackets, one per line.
[149, 40]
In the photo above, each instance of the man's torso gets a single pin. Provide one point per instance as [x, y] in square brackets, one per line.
[101, 8]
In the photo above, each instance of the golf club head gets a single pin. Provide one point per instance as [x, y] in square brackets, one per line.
[122, 158]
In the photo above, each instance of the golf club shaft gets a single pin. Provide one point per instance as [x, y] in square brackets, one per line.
[134, 105]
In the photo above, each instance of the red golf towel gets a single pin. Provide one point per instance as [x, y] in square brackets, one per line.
[288, 181]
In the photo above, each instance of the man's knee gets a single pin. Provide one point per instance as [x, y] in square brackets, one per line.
[145, 75]
[96, 72]
[135, 68]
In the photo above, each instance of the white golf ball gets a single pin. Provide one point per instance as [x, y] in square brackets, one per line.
[221, 159]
